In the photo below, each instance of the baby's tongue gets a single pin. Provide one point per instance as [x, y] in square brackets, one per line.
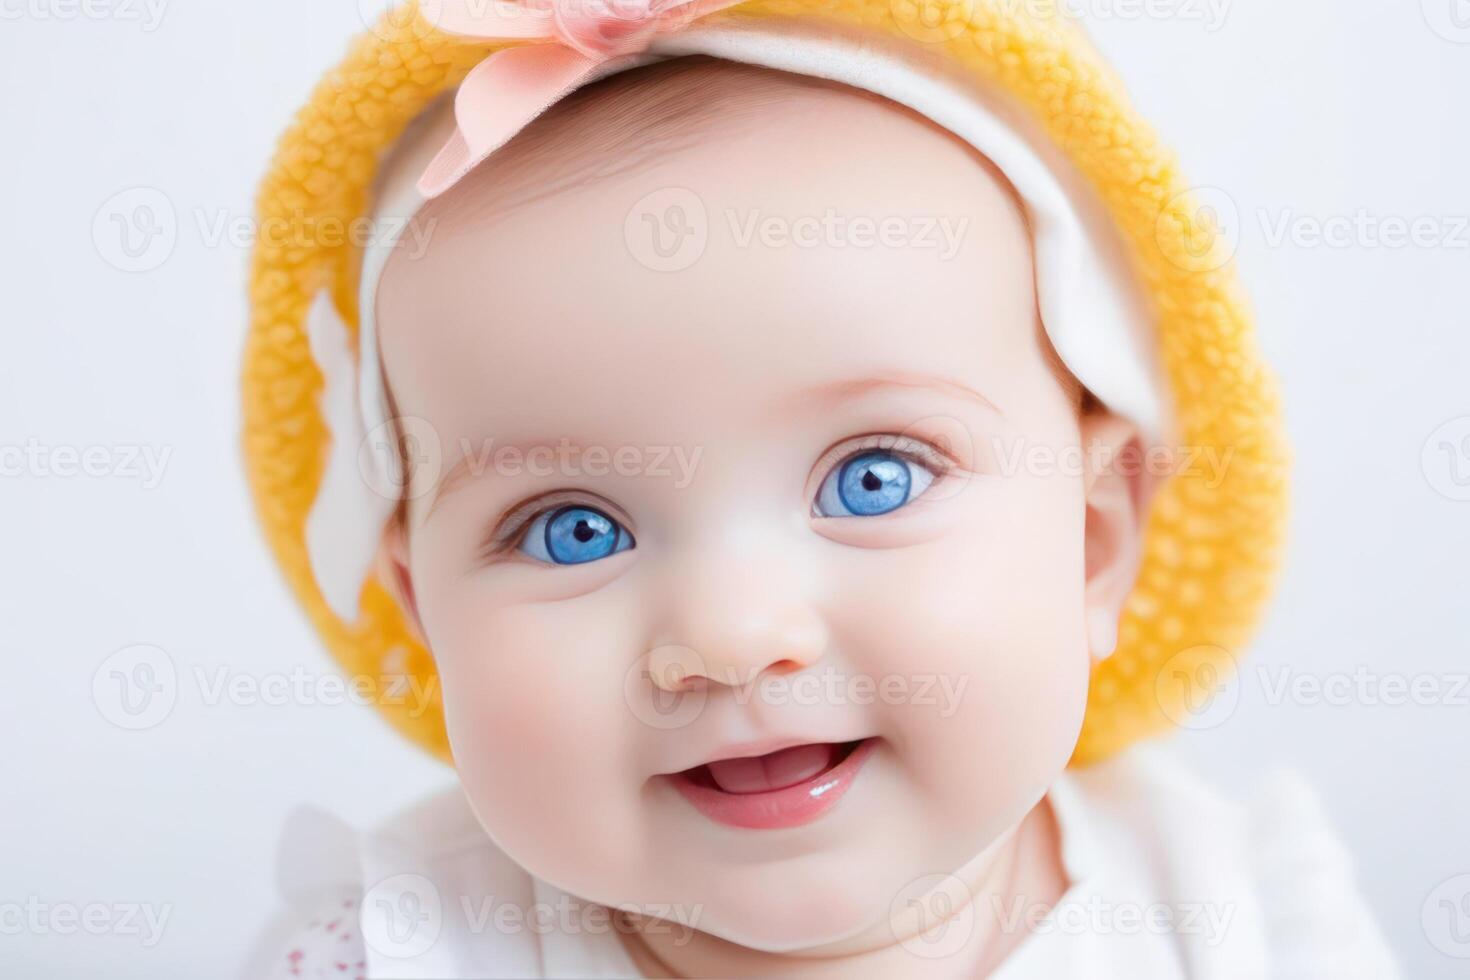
[774, 770]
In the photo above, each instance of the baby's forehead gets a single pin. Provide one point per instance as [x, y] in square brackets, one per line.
[705, 114]
[683, 228]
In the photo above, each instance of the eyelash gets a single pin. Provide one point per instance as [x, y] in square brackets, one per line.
[508, 534]
[910, 448]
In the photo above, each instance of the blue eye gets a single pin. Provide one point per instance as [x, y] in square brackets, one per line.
[574, 536]
[872, 483]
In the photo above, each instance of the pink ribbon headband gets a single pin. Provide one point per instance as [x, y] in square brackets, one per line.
[571, 40]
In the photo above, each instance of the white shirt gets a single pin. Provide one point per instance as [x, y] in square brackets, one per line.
[1168, 879]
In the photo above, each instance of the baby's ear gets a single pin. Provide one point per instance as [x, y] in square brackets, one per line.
[393, 572]
[1118, 490]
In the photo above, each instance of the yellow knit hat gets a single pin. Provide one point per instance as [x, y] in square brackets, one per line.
[1212, 546]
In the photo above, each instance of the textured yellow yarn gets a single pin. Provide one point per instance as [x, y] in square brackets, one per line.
[1211, 550]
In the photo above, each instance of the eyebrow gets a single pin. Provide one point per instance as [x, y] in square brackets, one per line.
[471, 465]
[831, 392]
[846, 390]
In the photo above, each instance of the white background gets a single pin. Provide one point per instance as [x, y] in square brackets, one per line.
[1300, 112]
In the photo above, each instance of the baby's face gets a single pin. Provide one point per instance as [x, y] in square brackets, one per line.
[761, 619]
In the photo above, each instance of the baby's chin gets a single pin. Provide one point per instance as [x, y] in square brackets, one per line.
[819, 905]
[840, 883]
[825, 908]
[848, 898]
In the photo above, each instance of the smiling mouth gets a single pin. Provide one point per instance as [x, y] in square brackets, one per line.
[786, 788]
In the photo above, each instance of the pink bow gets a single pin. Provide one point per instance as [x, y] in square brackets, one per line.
[515, 85]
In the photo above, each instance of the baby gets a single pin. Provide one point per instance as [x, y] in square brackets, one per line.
[764, 633]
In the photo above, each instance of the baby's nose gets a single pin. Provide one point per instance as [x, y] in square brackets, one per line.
[731, 621]
[740, 653]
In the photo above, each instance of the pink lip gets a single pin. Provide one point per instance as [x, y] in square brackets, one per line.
[789, 806]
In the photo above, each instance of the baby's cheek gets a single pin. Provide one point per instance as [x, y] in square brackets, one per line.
[541, 735]
[987, 635]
